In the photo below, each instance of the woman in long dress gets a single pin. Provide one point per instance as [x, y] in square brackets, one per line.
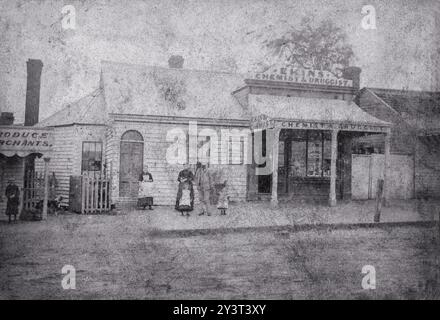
[185, 192]
[145, 197]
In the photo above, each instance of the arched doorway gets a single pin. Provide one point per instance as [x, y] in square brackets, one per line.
[131, 163]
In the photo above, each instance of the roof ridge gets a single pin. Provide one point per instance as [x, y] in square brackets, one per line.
[94, 94]
[69, 105]
[401, 91]
[167, 68]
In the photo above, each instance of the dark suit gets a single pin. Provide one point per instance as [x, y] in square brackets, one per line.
[12, 193]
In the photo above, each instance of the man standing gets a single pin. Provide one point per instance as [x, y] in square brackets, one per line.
[12, 193]
[203, 183]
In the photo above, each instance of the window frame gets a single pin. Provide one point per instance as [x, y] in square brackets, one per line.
[95, 142]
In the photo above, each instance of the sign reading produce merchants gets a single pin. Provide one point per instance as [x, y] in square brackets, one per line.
[23, 141]
[305, 76]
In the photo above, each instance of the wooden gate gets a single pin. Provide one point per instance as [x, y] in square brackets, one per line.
[368, 169]
[33, 190]
[95, 193]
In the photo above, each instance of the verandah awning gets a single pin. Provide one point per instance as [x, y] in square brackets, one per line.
[23, 141]
[311, 113]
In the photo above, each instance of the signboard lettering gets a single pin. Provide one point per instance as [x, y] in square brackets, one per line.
[264, 122]
[25, 140]
[306, 76]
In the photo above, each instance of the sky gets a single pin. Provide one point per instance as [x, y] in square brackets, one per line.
[224, 35]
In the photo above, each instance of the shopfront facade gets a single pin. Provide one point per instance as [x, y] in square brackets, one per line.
[301, 122]
[306, 129]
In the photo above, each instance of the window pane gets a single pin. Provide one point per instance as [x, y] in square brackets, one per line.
[327, 154]
[204, 149]
[92, 156]
[132, 135]
[314, 157]
[297, 158]
[281, 154]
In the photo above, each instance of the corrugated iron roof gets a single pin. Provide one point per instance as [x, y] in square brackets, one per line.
[419, 108]
[311, 109]
[157, 91]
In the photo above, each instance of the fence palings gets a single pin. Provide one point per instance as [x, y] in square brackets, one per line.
[95, 193]
[33, 189]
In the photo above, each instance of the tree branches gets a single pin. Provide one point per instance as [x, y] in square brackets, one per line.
[323, 47]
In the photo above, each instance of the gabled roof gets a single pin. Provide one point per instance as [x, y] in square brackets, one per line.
[420, 109]
[157, 91]
[90, 109]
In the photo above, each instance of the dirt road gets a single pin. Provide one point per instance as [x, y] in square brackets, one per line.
[118, 257]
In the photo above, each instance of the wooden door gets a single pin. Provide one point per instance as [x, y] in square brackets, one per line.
[131, 166]
[361, 176]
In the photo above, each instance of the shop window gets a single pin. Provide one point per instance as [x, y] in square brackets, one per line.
[318, 154]
[91, 156]
[298, 154]
[302, 154]
[235, 150]
[309, 154]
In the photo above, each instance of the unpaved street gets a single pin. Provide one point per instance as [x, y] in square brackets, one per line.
[120, 257]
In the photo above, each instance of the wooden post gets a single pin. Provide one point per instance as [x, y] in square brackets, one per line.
[334, 155]
[386, 171]
[86, 182]
[46, 187]
[439, 227]
[109, 189]
[379, 199]
[83, 193]
[2, 177]
[101, 193]
[275, 146]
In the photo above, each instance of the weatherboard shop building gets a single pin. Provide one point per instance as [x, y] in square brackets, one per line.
[127, 124]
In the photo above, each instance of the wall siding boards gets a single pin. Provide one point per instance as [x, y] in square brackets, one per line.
[164, 173]
[67, 152]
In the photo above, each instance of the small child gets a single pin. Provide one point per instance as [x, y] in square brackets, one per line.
[223, 199]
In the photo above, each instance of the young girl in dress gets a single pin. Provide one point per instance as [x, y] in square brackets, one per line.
[145, 197]
[223, 198]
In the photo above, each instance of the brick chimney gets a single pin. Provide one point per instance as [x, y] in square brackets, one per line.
[175, 62]
[353, 73]
[6, 119]
[34, 67]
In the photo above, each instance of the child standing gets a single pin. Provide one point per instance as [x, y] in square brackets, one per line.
[145, 197]
[223, 199]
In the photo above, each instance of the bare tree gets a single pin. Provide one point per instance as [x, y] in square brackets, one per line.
[323, 47]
